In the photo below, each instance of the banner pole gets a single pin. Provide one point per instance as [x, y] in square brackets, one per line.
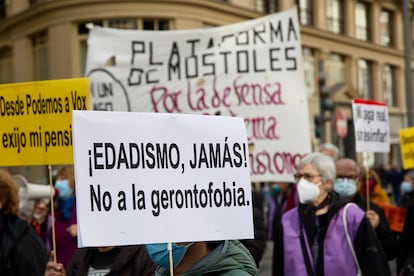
[365, 161]
[171, 259]
[52, 210]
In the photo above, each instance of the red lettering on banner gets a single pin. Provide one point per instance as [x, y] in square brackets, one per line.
[278, 162]
[261, 128]
[257, 93]
[160, 95]
[202, 99]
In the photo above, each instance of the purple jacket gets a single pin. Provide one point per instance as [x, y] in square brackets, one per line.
[66, 245]
[338, 258]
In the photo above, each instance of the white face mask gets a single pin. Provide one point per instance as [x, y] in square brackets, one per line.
[308, 192]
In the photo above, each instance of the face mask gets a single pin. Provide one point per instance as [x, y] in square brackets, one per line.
[160, 255]
[308, 192]
[275, 189]
[345, 187]
[406, 187]
[64, 189]
[37, 216]
[371, 186]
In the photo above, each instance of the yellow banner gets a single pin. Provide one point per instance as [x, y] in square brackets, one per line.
[36, 121]
[407, 147]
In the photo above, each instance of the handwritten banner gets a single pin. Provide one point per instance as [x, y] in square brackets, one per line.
[251, 70]
[371, 123]
[148, 172]
[36, 122]
[407, 147]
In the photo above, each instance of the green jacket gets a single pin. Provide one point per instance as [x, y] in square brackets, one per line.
[228, 259]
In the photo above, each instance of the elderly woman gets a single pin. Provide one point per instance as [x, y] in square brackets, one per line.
[313, 239]
[22, 252]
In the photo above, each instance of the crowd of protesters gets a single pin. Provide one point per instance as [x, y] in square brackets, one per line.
[330, 220]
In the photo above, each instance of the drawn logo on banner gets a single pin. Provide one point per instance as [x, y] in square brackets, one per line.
[106, 90]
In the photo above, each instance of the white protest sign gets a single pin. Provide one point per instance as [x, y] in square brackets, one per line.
[159, 177]
[371, 123]
[252, 70]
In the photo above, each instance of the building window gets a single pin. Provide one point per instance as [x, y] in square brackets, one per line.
[335, 69]
[3, 9]
[335, 16]
[119, 23]
[365, 79]
[265, 6]
[309, 67]
[6, 55]
[305, 11]
[40, 55]
[361, 21]
[130, 24]
[388, 85]
[386, 28]
[35, 2]
[156, 24]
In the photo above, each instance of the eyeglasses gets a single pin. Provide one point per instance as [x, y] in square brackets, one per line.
[307, 176]
[352, 177]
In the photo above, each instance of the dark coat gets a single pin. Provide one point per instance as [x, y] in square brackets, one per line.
[387, 238]
[22, 252]
[131, 260]
[407, 236]
[257, 246]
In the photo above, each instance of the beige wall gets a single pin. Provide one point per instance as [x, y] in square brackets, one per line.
[60, 49]
[60, 18]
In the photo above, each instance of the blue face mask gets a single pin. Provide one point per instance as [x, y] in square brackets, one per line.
[345, 187]
[64, 188]
[160, 255]
[406, 187]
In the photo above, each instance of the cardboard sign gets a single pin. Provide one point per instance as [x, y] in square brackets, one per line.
[158, 177]
[407, 147]
[252, 70]
[36, 121]
[371, 123]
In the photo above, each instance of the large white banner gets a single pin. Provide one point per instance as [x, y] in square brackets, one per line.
[149, 177]
[372, 126]
[251, 69]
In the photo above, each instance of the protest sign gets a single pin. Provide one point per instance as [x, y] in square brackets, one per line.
[371, 123]
[159, 177]
[36, 123]
[251, 70]
[407, 147]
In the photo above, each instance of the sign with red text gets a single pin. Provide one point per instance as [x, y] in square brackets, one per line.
[252, 70]
[158, 177]
[36, 122]
[371, 123]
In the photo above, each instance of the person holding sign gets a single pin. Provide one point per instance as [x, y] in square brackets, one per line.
[228, 257]
[372, 188]
[347, 173]
[65, 215]
[325, 234]
[22, 252]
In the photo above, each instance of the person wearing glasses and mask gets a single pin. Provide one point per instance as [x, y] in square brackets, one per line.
[347, 174]
[313, 238]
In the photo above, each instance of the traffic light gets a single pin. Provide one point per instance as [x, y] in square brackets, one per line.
[326, 103]
[317, 120]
